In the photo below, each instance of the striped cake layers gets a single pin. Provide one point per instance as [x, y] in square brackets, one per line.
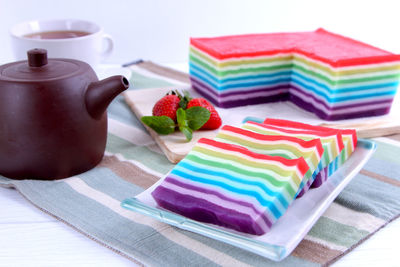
[350, 141]
[349, 137]
[369, 93]
[276, 145]
[331, 141]
[231, 186]
[334, 89]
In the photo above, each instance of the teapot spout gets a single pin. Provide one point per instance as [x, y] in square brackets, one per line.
[100, 94]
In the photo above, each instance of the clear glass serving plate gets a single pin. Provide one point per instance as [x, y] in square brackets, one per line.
[287, 232]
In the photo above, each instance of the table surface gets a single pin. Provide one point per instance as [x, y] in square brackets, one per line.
[27, 234]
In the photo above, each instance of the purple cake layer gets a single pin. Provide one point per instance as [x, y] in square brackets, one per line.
[321, 178]
[259, 90]
[217, 194]
[386, 101]
[279, 93]
[198, 209]
[305, 189]
[382, 105]
[375, 112]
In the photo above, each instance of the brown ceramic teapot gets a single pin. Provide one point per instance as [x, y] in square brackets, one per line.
[53, 119]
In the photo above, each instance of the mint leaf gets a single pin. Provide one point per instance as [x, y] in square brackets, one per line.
[181, 117]
[187, 132]
[183, 124]
[160, 124]
[196, 117]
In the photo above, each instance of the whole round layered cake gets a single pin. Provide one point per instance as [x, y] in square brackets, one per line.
[333, 76]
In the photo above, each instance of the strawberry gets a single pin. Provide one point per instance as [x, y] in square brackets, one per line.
[215, 120]
[167, 106]
[177, 111]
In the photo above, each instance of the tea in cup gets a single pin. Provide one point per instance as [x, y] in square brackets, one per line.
[64, 38]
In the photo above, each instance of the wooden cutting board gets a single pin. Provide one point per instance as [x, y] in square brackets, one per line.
[371, 128]
[175, 146]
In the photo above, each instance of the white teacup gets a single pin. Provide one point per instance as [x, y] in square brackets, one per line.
[88, 42]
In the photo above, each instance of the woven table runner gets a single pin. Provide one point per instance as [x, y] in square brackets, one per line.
[90, 202]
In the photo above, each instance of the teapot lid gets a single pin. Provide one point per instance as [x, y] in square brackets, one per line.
[39, 68]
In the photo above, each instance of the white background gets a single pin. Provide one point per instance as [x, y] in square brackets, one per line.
[160, 31]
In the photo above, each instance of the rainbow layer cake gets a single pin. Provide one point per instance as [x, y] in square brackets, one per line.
[331, 140]
[333, 76]
[277, 145]
[349, 138]
[231, 186]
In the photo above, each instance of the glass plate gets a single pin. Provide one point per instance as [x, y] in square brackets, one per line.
[287, 232]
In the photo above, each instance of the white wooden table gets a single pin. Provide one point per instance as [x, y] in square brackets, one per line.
[29, 237]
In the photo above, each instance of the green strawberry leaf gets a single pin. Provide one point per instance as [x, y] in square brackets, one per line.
[184, 100]
[197, 117]
[160, 124]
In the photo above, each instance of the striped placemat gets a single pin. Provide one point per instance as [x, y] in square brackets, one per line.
[90, 202]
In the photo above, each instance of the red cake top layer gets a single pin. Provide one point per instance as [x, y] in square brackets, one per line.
[303, 126]
[333, 49]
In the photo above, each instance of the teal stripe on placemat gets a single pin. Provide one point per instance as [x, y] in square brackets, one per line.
[372, 196]
[101, 178]
[328, 230]
[142, 82]
[387, 153]
[141, 154]
[120, 111]
[390, 169]
[5, 181]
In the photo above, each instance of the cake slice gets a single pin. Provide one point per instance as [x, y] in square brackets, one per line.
[231, 186]
[331, 140]
[349, 137]
[276, 145]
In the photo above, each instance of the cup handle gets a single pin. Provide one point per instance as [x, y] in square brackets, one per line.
[109, 45]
